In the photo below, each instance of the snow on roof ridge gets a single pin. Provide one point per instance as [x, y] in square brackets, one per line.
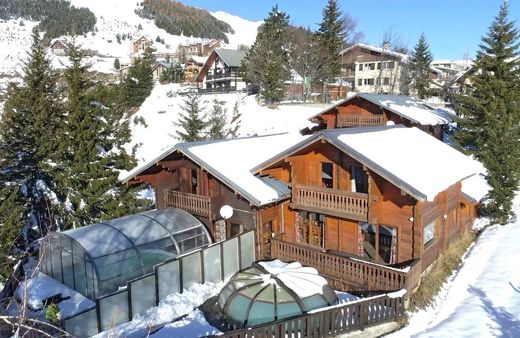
[375, 48]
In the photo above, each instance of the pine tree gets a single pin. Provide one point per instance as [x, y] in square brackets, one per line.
[331, 36]
[28, 135]
[138, 84]
[217, 121]
[266, 64]
[234, 125]
[489, 126]
[92, 151]
[117, 64]
[191, 120]
[420, 68]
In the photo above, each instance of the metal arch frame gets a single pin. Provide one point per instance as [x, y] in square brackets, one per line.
[90, 259]
[168, 231]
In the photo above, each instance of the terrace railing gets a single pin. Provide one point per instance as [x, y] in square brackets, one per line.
[192, 203]
[334, 202]
[359, 121]
[348, 273]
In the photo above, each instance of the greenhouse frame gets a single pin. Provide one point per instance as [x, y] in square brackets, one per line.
[96, 260]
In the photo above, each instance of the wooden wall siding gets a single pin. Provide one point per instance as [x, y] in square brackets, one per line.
[165, 180]
[346, 121]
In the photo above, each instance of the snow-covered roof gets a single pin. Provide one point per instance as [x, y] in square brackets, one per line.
[198, 59]
[475, 188]
[409, 158]
[231, 57]
[231, 162]
[404, 106]
[377, 49]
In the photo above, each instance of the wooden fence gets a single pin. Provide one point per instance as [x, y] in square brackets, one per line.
[348, 273]
[331, 321]
[192, 203]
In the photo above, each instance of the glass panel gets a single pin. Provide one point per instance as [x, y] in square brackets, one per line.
[247, 249]
[327, 174]
[359, 179]
[80, 275]
[68, 275]
[236, 308]
[369, 240]
[92, 291]
[314, 302]
[212, 271]
[83, 325]
[230, 259]
[113, 310]
[191, 270]
[169, 279]
[429, 233]
[387, 244]
[143, 294]
[56, 264]
[288, 309]
[261, 313]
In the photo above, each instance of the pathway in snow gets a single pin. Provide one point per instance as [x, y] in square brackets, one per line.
[482, 299]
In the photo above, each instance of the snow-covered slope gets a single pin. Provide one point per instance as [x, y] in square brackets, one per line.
[161, 110]
[245, 30]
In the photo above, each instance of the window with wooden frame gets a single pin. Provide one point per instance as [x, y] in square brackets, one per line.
[358, 179]
[428, 233]
[327, 175]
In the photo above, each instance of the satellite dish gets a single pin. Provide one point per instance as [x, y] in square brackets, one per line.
[226, 212]
[390, 123]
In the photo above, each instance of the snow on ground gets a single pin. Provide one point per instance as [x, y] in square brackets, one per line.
[169, 309]
[161, 110]
[482, 298]
[41, 287]
[193, 325]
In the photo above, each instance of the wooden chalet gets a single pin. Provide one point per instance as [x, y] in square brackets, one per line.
[140, 46]
[221, 73]
[202, 177]
[203, 48]
[367, 199]
[363, 110]
[59, 47]
[193, 67]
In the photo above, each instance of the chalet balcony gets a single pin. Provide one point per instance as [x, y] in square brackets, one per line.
[346, 121]
[352, 205]
[192, 203]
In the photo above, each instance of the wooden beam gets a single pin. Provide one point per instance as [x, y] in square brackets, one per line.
[176, 164]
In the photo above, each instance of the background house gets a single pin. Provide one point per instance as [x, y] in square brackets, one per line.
[140, 46]
[59, 47]
[220, 73]
[193, 67]
[371, 69]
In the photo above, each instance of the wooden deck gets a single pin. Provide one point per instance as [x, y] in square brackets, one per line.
[194, 204]
[333, 202]
[348, 273]
[346, 121]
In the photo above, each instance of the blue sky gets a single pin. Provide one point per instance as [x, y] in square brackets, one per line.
[452, 27]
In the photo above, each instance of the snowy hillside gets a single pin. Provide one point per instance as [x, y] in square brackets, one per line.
[162, 108]
[113, 17]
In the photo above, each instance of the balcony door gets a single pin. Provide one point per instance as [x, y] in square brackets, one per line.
[310, 228]
[358, 179]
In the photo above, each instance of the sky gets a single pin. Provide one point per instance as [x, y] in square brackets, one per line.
[452, 27]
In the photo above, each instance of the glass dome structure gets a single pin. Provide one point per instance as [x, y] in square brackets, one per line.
[97, 259]
[269, 291]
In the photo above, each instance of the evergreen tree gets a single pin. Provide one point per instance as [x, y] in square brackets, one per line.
[217, 121]
[266, 64]
[191, 120]
[235, 123]
[420, 68]
[489, 126]
[331, 36]
[117, 64]
[138, 84]
[92, 151]
[28, 136]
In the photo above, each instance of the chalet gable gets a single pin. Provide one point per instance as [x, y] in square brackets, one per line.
[410, 159]
[230, 161]
[361, 52]
[230, 59]
[411, 110]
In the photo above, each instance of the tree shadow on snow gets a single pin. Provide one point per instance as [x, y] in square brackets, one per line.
[508, 324]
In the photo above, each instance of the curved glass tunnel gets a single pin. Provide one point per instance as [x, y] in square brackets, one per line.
[98, 259]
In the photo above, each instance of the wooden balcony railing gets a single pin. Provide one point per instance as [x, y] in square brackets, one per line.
[359, 121]
[333, 202]
[194, 204]
[348, 273]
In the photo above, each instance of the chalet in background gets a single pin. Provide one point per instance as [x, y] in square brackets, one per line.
[158, 69]
[203, 48]
[193, 67]
[59, 47]
[220, 73]
[371, 69]
[363, 110]
[140, 46]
